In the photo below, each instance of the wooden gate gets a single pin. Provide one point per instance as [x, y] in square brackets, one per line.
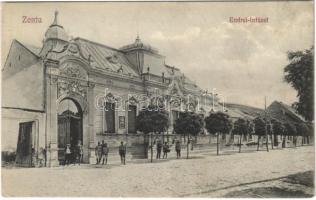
[69, 132]
[24, 146]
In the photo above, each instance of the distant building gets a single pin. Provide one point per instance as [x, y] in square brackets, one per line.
[52, 94]
[284, 113]
[236, 111]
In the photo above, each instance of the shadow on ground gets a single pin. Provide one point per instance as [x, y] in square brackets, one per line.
[304, 178]
[267, 192]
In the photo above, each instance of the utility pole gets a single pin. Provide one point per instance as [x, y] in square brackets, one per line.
[213, 96]
[265, 122]
[151, 147]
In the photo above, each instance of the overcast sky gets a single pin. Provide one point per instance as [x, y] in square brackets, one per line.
[244, 62]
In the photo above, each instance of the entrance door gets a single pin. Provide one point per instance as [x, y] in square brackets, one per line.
[24, 146]
[132, 119]
[69, 128]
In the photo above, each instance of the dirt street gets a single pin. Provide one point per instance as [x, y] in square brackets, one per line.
[204, 174]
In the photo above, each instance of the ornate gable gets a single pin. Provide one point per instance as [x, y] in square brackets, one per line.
[73, 70]
[71, 48]
[174, 88]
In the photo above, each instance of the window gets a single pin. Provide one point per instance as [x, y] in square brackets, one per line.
[110, 117]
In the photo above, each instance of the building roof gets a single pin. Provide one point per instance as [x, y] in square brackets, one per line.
[283, 112]
[35, 50]
[242, 111]
[138, 44]
[105, 58]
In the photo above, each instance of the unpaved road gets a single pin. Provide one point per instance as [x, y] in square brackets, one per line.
[205, 174]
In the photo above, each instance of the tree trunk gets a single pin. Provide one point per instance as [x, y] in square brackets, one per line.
[240, 143]
[283, 141]
[188, 149]
[195, 141]
[217, 150]
[151, 148]
[258, 142]
[146, 144]
[267, 142]
[272, 141]
[276, 140]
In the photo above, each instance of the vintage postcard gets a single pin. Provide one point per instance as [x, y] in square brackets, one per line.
[157, 99]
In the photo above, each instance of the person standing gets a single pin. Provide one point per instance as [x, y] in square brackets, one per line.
[67, 154]
[41, 157]
[178, 149]
[159, 147]
[165, 150]
[105, 151]
[98, 152]
[122, 152]
[79, 152]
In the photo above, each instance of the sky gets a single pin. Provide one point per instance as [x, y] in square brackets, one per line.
[244, 62]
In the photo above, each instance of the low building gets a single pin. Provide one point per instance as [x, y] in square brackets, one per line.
[284, 113]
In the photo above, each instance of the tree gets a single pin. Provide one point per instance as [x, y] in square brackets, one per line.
[277, 129]
[189, 123]
[217, 123]
[290, 129]
[241, 129]
[260, 129]
[151, 120]
[269, 133]
[302, 130]
[300, 74]
[310, 127]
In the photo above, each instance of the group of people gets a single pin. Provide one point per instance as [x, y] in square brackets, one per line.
[102, 151]
[166, 149]
[73, 154]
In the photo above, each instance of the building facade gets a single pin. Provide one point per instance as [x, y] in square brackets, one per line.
[76, 90]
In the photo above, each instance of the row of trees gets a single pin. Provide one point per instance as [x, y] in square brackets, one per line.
[155, 121]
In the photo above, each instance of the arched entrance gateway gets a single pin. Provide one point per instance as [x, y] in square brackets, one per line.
[70, 127]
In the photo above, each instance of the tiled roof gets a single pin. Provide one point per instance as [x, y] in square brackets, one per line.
[243, 111]
[106, 58]
[284, 113]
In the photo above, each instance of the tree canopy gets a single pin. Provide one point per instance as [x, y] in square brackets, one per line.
[152, 120]
[250, 127]
[290, 129]
[189, 123]
[240, 127]
[300, 74]
[259, 126]
[302, 129]
[218, 123]
[277, 127]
